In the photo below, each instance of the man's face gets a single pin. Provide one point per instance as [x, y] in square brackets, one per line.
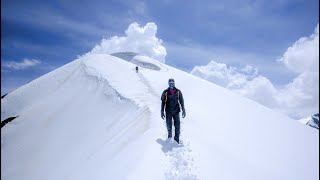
[171, 84]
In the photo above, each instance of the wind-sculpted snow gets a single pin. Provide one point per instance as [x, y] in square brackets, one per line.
[96, 118]
[128, 56]
[140, 60]
[25, 97]
[148, 63]
[67, 125]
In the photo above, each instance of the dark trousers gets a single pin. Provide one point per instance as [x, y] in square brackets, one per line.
[176, 121]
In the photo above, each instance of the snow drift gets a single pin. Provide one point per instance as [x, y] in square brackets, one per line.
[96, 118]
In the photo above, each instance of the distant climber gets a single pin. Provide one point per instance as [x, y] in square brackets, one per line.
[137, 69]
[172, 99]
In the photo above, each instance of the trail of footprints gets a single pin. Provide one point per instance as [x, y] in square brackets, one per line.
[182, 164]
[181, 161]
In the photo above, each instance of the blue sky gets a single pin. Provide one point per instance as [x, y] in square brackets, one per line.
[194, 32]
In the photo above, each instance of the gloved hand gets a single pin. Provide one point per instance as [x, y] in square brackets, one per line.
[183, 113]
[162, 115]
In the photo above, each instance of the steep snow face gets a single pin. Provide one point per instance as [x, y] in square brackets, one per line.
[68, 120]
[96, 118]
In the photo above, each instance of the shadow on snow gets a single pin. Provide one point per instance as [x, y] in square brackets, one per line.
[168, 144]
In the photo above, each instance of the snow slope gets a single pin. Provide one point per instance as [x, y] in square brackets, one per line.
[96, 118]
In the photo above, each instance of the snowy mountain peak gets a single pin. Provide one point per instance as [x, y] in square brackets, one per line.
[312, 121]
[97, 118]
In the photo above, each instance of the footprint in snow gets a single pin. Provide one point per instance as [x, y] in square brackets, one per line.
[181, 160]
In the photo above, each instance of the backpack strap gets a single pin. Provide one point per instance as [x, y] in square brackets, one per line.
[179, 98]
[166, 96]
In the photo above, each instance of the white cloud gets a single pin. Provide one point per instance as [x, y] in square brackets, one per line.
[261, 90]
[303, 55]
[26, 63]
[301, 97]
[297, 99]
[221, 74]
[138, 39]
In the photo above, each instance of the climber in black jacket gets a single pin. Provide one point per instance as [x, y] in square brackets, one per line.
[171, 100]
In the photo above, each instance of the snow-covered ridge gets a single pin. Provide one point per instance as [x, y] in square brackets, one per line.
[61, 115]
[96, 118]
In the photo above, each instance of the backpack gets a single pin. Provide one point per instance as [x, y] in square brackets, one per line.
[178, 96]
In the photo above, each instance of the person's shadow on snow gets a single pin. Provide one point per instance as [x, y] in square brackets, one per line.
[168, 145]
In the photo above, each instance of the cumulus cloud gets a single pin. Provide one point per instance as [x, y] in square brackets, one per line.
[261, 90]
[221, 74]
[139, 39]
[299, 98]
[303, 55]
[24, 64]
[245, 81]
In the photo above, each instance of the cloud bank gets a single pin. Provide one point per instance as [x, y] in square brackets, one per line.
[230, 77]
[140, 39]
[299, 98]
[26, 63]
[302, 94]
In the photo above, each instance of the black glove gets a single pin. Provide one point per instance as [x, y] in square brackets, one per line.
[162, 115]
[183, 114]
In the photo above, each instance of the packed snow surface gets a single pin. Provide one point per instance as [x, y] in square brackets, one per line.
[96, 118]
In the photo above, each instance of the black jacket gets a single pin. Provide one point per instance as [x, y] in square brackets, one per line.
[171, 101]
